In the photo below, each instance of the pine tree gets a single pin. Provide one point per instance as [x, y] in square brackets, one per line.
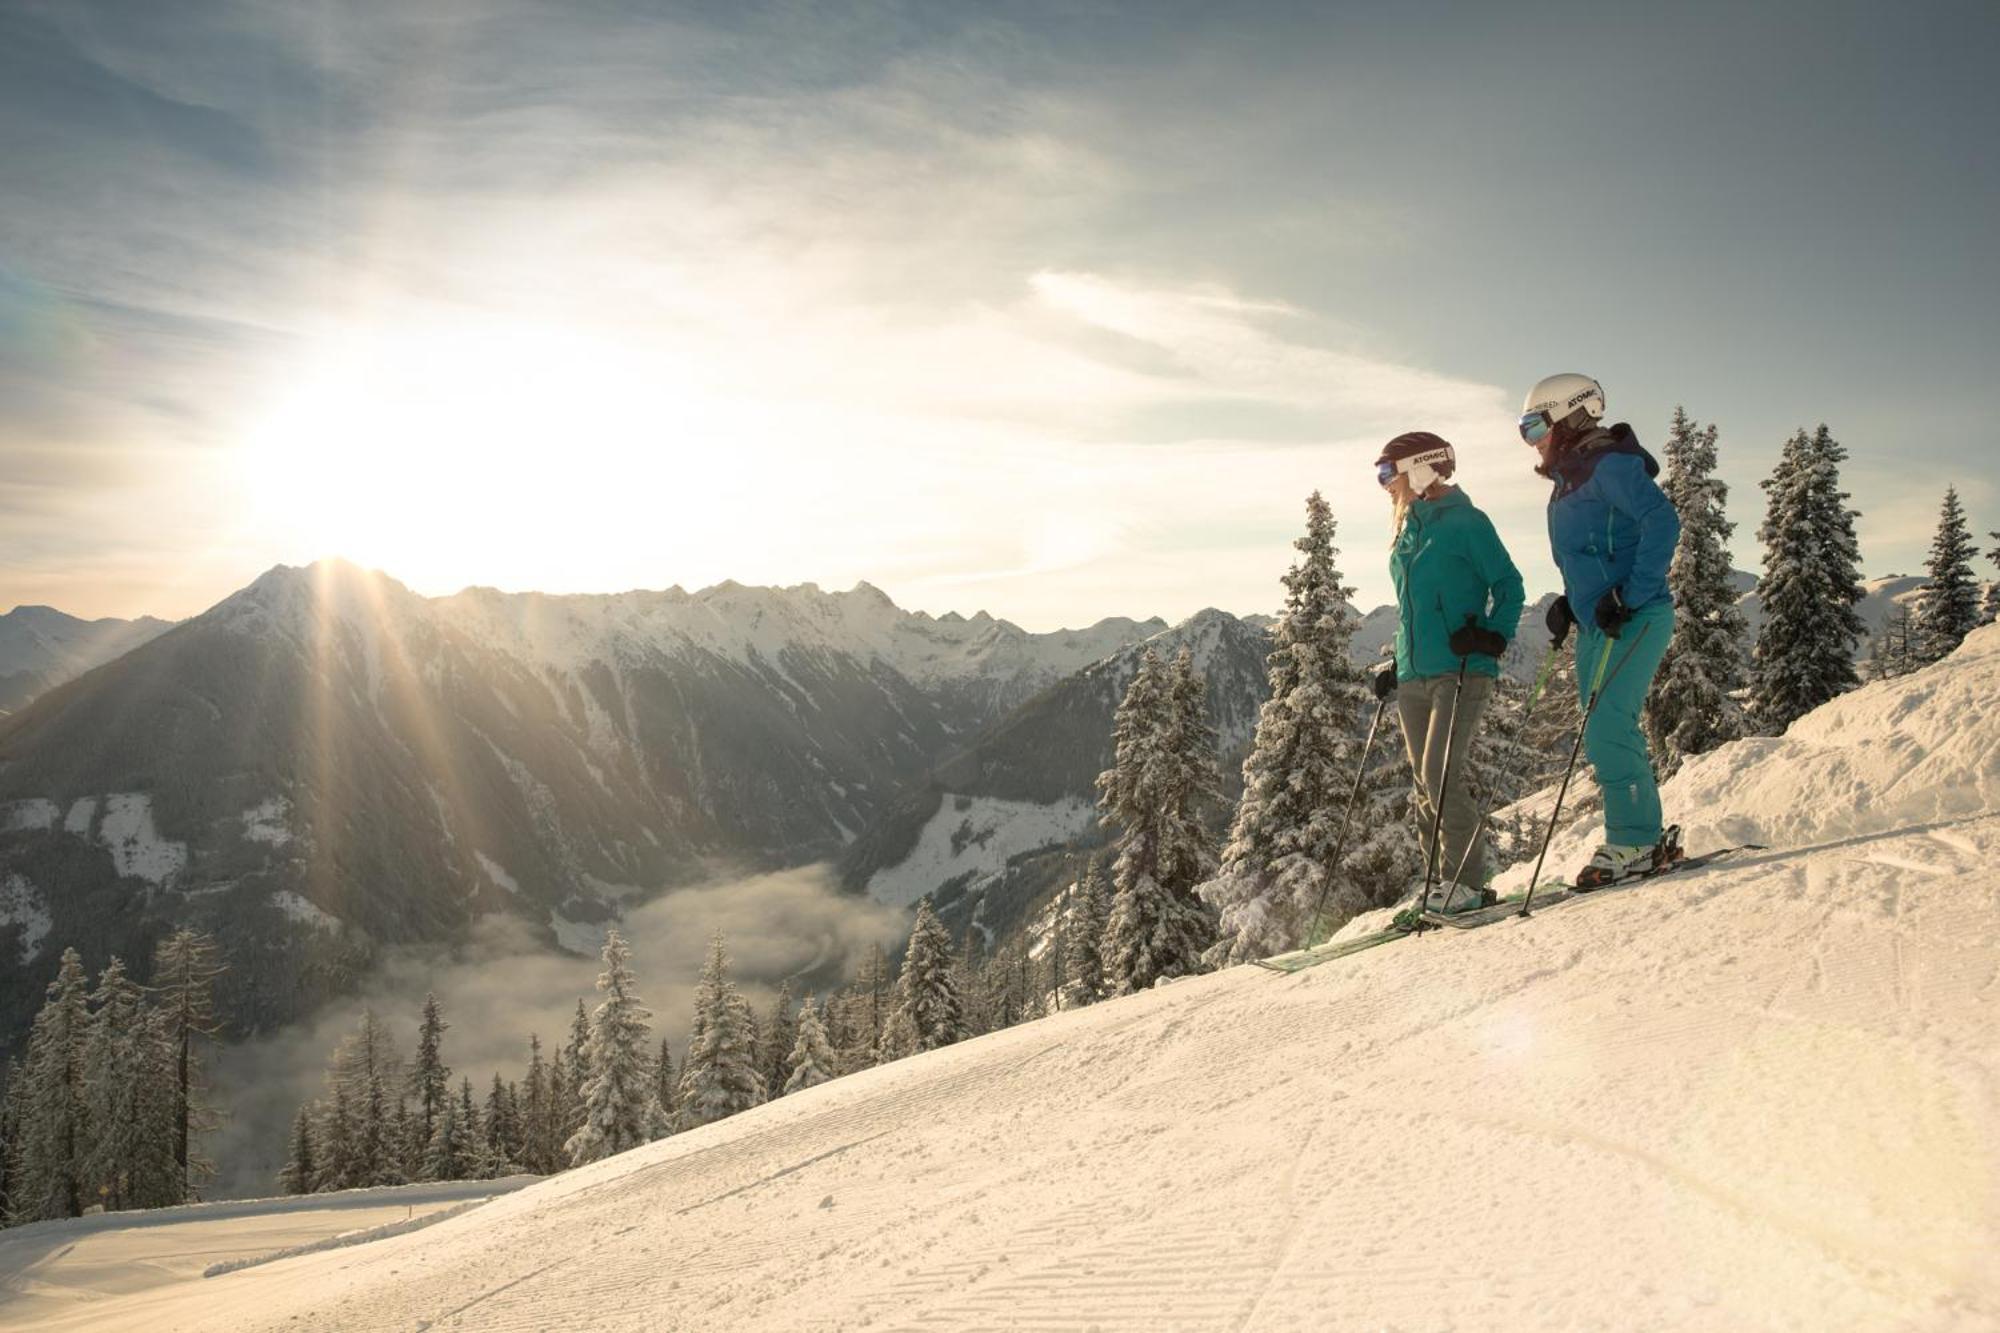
[129, 1077]
[1805, 648]
[300, 1175]
[965, 974]
[1691, 708]
[499, 1128]
[929, 1012]
[1083, 940]
[55, 1138]
[1892, 649]
[778, 1035]
[185, 966]
[577, 1069]
[810, 1061]
[365, 1068]
[339, 1165]
[1948, 608]
[538, 1115]
[1279, 860]
[720, 1075]
[13, 1116]
[620, 1110]
[430, 1076]
[866, 1005]
[449, 1154]
[666, 1089]
[1158, 928]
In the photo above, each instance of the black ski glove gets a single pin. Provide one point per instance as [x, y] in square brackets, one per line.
[1384, 681]
[1471, 638]
[1559, 619]
[1612, 613]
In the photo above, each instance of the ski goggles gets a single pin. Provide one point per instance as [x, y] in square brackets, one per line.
[1535, 426]
[1385, 472]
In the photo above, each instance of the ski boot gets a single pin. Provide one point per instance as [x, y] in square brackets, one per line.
[1613, 863]
[1448, 899]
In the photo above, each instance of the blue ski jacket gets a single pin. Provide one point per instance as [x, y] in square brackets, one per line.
[1610, 525]
[1448, 563]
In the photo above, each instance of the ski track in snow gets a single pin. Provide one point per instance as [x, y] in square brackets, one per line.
[1761, 1094]
[1746, 1098]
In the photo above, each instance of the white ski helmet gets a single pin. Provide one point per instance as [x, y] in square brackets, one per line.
[1419, 455]
[1557, 398]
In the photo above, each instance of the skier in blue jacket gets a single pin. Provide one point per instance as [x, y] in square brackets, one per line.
[1612, 531]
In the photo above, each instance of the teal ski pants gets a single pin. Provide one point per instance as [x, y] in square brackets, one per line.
[1614, 744]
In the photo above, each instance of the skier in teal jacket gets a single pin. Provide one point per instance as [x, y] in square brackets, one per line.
[1458, 603]
[1613, 532]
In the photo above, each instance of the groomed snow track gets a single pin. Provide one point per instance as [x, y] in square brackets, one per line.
[1760, 1095]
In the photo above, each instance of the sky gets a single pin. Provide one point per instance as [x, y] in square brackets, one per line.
[1057, 311]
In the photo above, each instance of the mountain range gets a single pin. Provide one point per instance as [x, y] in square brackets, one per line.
[325, 763]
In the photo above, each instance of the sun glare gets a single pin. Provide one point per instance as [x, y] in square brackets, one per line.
[435, 451]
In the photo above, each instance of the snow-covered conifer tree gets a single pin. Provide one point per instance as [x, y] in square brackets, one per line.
[1805, 647]
[666, 1088]
[1158, 928]
[449, 1155]
[1691, 708]
[185, 966]
[540, 1143]
[810, 1062]
[577, 1069]
[500, 1127]
[56, 1128]
[965, 974]
[366, 1068]
[1948, 608]
[1279, 859]
[300, 1174]
[719, 1077]
[620, 1109]
[929, 1012]
[339, 1163]
[777, 1036]
[130, 1082]
[430, 1076]
[12, 1115]
[1083, 939]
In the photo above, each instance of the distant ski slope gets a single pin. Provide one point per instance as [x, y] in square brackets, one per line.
[1762, 1095]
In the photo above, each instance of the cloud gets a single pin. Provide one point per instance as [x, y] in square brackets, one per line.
[501, 986]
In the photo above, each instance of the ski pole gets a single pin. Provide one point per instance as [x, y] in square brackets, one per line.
[1436, 853]
[1598, 682]
[1347, 815]
[1527, 715]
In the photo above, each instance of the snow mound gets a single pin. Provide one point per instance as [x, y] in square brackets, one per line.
[1919, 749]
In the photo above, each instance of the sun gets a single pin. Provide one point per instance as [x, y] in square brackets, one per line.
[464, 452]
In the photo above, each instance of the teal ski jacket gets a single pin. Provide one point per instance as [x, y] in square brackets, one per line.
[1447, 564]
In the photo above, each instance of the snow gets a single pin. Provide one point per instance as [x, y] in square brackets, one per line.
[1764, 1094]
[22, 816]
[60, 1274]
[303, 911]
[22, 904]
[1915, 750]
[497, 873]
[267, 822]
[80, 815]
[977, 835]
[137, 849]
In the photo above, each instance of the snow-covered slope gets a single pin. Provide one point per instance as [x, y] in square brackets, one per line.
[1761, 1095]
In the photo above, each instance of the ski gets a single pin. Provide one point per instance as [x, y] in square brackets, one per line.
[1298, 960]
[1548, 895]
